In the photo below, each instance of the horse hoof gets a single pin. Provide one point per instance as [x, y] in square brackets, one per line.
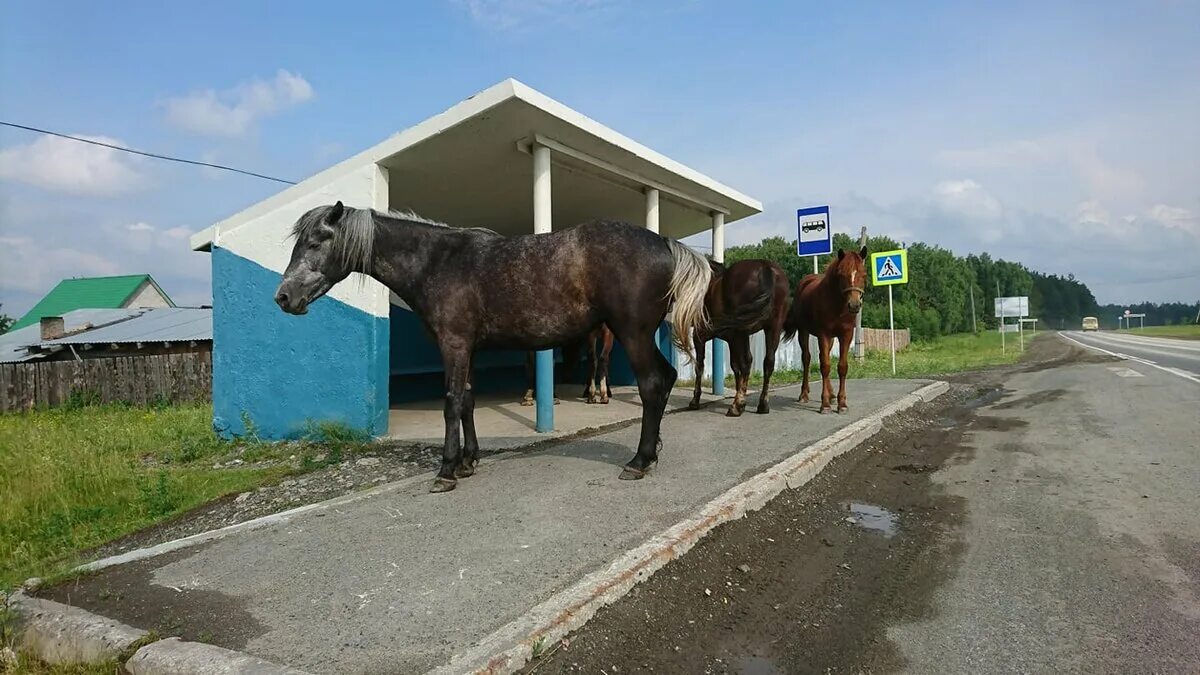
[825, 409]
[763, 409]
[630, 473]
[526, 402]
[842, 409]
[733, 412]
[443, 484]
[603, 401]
[465, 470]
[693, 405]
[803, 398]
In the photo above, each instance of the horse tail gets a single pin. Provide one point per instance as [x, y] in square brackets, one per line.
[791, 323]
[690, 277]
[756, 311]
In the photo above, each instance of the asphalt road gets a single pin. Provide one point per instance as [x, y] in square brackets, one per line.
[1181, 356]
[1038, 518]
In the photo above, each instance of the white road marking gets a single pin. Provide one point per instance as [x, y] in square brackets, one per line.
[1125, 372]
[1174, 371]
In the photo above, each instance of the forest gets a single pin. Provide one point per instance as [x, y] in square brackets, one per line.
[943, 286]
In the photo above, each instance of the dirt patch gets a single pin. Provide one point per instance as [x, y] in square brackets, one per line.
[1032, 400]
[128, 594]
[811, 582]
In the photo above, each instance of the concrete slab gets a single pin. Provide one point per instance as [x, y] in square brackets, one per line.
[503, 423]
[405, 581]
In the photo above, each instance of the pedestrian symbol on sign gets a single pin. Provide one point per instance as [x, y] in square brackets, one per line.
[889, 269]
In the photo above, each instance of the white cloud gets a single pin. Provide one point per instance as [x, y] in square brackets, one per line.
[63, 165]
[35, 267]
[1176, 218]
[966, 198]
[140, 227]
[234, 112]
[507, 15]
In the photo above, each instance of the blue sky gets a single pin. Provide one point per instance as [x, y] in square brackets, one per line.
[1062, 136]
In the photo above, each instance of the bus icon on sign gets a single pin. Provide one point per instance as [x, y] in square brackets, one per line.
[813, 226]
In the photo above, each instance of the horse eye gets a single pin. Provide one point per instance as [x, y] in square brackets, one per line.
[314, 245]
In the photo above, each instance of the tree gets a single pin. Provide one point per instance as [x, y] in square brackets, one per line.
[6, 321]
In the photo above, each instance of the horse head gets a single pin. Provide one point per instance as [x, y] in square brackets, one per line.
[331, 242]
[850, 275]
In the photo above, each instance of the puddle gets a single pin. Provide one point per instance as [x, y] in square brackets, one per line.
[986, 399]
[875, 518]
[754, 665]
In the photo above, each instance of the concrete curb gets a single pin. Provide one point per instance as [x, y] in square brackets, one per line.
[176, 657]
[512, 646]
[61, 634]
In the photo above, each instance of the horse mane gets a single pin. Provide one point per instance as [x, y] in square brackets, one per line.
[354, 241]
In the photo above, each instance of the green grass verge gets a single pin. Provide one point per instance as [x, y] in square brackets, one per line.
[74, 478]
[1185, 332]
[929, 358]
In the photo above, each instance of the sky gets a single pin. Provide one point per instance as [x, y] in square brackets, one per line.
[1061, 135]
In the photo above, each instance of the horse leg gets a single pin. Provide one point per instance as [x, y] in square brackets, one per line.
[606, 345]
[805, 362]
[530, 379]
[843, 367]
[655, 377]
[589, 392]
[824, 344]
[772, 335]
[739, 348]
[470, 457]
[697, 368]
[456, 357]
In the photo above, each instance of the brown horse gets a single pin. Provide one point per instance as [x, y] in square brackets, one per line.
[597, 367]
[744, 298]
[825, 306]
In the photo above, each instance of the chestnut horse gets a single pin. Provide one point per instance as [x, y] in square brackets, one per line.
[825, 306]
[475, 289]
[597, 367]
[742, 299]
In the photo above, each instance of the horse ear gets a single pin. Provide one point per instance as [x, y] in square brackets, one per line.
[335, 214]
[863, 253]
[841, 254]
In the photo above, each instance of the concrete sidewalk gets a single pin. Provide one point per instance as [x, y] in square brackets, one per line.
[401, 580]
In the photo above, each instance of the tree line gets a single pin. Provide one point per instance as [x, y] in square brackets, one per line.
[943, 286]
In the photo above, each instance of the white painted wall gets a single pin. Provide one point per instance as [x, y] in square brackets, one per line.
[147, 295]
[787, 356]
[265, 240]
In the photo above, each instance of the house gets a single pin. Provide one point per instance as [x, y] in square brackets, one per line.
[84, 334]
[120, 292]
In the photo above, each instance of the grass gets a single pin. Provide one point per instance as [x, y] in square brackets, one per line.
[941, 356]
[74, 478]
[1185, 332]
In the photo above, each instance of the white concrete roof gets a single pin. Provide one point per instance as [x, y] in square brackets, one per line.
[466, 167]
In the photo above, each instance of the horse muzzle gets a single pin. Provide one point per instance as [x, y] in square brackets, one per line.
[290, 304]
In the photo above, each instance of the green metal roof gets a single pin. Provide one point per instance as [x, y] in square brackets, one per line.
[87, 293]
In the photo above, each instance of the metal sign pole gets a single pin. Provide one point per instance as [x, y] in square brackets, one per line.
[1003, 346]
[1021, 332]
[892, 327]
[815, 265]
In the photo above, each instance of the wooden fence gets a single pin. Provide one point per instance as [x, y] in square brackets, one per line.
[138, 380]
[879, 338]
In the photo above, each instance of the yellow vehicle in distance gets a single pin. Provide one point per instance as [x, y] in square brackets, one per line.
[1090, 323]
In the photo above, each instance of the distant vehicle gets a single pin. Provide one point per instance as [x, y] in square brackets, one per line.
[814, 225]
[1090, 323]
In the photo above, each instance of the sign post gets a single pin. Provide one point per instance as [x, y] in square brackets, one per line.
[814, 235]
[888, 269]
[1016, 306]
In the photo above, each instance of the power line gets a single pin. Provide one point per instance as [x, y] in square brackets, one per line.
[147, 154]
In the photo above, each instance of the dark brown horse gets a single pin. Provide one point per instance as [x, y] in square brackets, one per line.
[597, 367]
[742, 299]
[476, 289]
[825, 306]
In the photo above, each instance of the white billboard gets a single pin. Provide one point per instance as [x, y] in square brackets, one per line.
[1015, 306]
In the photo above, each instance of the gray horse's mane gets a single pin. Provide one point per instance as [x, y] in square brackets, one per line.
[355, 238]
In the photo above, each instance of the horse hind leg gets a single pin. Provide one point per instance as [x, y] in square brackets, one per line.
[764, 400]
[655, 377]
[606, 345]
[805, 364]
[698, 368]
[530, 379]
[456, 357]
[739, 352]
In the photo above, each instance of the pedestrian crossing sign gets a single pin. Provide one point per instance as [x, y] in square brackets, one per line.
[889, 267]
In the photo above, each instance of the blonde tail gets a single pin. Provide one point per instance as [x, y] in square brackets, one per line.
[689, 285]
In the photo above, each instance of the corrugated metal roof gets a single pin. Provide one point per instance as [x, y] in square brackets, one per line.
[87, 293]
[161, 324]
[13, 344]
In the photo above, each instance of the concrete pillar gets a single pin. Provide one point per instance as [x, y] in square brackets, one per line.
[652, 209]
[544, 362]
[718, 346]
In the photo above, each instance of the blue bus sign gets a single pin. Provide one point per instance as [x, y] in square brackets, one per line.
[815, 236]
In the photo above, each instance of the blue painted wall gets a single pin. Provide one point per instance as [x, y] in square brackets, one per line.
[281, 372]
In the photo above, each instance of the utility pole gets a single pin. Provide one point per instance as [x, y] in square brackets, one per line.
[860, 351]
[974, 328]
